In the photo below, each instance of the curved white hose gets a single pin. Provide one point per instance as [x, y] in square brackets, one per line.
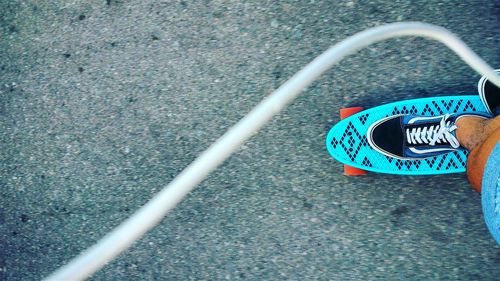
[150, 214]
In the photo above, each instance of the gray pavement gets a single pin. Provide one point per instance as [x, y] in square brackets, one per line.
[104, 102]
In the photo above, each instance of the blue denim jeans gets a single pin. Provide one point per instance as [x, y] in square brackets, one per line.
[490, 194]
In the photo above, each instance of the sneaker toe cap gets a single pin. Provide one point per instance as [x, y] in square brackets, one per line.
[388, 136]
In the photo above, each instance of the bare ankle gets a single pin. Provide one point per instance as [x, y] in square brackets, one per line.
[471, 131]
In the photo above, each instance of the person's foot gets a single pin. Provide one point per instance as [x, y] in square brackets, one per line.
[410, 137]
[490, 95]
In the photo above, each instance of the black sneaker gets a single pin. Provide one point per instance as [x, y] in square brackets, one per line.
[490, 95]
[411, 137]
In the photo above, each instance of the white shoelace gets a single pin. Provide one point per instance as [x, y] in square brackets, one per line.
[434, 134]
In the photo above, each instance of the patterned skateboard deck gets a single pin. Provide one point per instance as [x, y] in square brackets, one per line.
[347, 140]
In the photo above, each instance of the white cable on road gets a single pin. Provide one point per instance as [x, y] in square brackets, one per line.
[119, 239]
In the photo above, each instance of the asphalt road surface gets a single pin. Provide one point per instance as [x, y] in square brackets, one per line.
[104, 102]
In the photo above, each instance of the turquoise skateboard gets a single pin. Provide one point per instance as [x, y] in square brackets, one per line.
[347, 141]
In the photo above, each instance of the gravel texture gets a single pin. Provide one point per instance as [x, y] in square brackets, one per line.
[102, 103]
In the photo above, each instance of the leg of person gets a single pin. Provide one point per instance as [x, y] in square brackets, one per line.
[472, 133]
[482, 137]
[490, 193]
[479, 136]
